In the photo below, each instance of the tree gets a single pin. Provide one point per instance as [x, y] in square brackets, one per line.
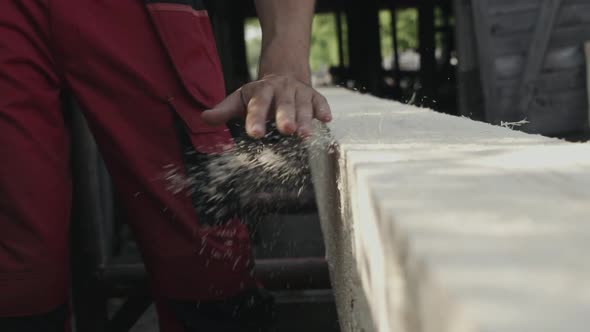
[324, 48]
[324, 42]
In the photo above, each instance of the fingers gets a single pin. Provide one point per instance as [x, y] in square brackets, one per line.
[304, 107]
[321, 109]
[231, 107]
[285, 110]
[259, 101]
[293, 103]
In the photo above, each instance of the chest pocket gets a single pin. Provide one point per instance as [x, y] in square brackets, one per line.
[185, 30]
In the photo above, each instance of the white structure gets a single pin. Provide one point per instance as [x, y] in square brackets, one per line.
[436, 223]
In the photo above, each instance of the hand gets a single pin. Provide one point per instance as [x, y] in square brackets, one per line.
[292, 103]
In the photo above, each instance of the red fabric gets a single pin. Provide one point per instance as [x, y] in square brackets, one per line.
[124, 62]
[167, 319]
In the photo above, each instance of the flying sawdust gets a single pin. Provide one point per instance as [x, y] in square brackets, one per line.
[231, 184]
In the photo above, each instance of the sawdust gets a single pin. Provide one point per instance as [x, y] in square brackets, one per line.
[230, 184]
[512, 125]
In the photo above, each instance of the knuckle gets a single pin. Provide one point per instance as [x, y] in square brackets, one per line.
[262, 86]
[305, 107]
[252, 86]
[303, 86]
[304, 95]
[287, 102]
[273, 81]
[283, 82]
[257, 102]
[285, 79]
[321, 99]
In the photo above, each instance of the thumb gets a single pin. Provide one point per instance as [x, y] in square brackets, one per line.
[231, 107]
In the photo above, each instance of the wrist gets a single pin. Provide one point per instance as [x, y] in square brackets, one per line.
[290, 59]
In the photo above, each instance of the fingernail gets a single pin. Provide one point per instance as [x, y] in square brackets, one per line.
[290, 128]
[257, 131]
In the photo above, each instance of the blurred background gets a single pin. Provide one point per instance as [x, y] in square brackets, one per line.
[515, 63]
[521, 64]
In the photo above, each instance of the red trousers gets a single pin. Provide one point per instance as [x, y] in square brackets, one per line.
[134, 67]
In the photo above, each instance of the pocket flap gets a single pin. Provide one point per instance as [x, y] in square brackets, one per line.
[185, 31]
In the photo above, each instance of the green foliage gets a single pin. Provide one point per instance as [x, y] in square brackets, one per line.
[324, 42]
[407, 29]
[386, 36]
[253, 44]
[324, 49]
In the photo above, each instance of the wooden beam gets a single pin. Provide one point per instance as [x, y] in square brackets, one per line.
[587, 51]
[364, 45]
[485, 56]
[396, 69]
[470, 94]
[536, 53]
[436, 223]
[447, 31]
[228, 26]
[427, 45]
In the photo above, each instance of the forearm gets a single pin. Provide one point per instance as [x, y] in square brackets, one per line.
[286, 35]
[283, 93]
